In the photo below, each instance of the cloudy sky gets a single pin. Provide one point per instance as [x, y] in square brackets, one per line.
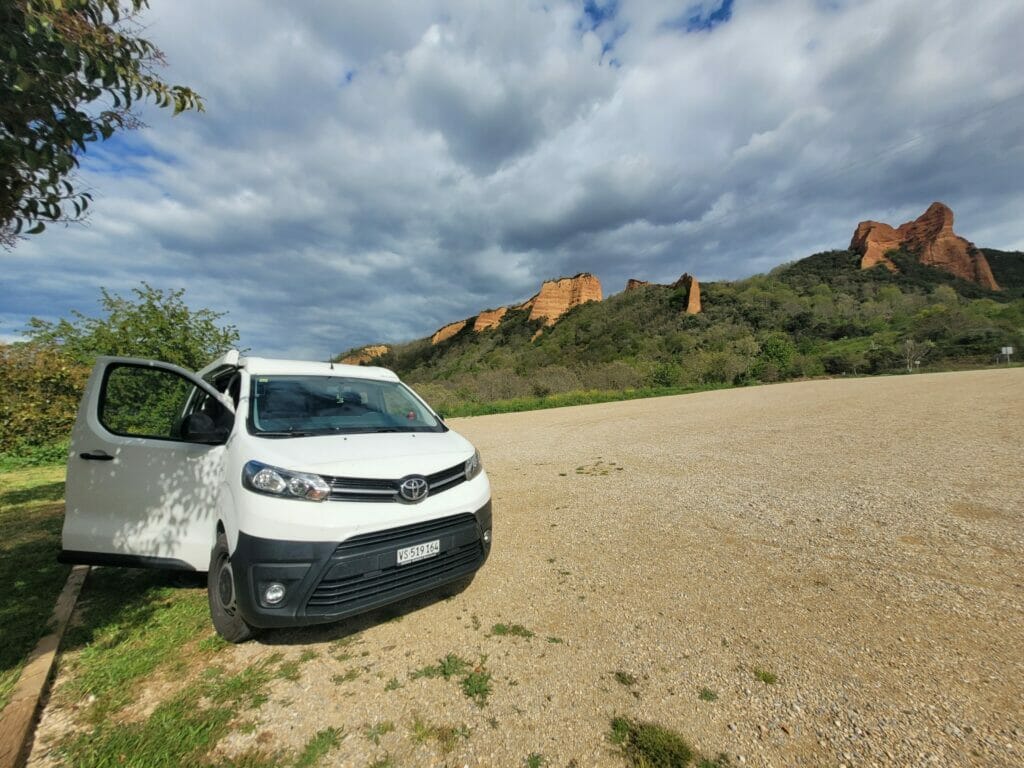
[369, 171]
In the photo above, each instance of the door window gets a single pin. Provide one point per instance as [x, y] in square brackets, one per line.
[140, 401]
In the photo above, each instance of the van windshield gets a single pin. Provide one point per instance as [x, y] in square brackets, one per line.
[293, 406]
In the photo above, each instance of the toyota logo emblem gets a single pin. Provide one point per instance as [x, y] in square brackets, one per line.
[414, 488]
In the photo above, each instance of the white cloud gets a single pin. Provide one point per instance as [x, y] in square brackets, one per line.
[369, 172]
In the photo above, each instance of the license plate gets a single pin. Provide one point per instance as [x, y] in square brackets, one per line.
[419, 551]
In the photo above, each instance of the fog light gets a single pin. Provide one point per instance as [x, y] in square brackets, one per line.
[273, 593]
[487, 536]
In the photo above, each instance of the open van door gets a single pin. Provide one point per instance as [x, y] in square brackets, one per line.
[145, 467]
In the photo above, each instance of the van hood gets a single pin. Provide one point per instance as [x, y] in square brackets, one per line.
[386, 456]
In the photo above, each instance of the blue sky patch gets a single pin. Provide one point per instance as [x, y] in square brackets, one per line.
[597, 13]
[698, 19]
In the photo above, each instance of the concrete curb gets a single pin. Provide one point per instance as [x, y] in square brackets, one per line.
[19, 716]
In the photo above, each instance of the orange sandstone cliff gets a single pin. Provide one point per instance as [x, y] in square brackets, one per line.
[557, 297]
[931, 239]
[448, 331]
[365, 355]
[489, 318]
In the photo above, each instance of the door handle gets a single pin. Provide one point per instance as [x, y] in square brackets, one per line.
[97, 456]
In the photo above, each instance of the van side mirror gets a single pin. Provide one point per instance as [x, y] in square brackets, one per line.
[199, 428]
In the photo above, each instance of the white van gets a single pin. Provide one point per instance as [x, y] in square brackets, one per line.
[308, 491]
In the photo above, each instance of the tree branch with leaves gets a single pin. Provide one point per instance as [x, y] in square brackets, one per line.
[71, 73]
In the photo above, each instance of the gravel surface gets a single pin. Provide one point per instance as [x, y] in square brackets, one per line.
[838, 564]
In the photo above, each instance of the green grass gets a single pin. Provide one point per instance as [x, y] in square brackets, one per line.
[535, 760]
[448, 667]
[31, 515]
[393, 684]
[477, 686]
[649, 745]
[706, 694]
[565, 399]
[625, 678]
[511, 630]
[375, 731]
[766, 676]
[318, 747]
[347, 676]
[134, 622]
[555, 640]
[180, 731]
[445, 736]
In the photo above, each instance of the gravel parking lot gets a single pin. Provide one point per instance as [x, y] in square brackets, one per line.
[822, 573]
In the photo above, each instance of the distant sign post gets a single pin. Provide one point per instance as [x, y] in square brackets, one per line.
[1007, 351]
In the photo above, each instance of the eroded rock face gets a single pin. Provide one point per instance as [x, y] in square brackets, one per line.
[489, 318]
[692, 286]
[365, 355]
[931, 238]
[632, 284]
[448, 331]
[557, 297]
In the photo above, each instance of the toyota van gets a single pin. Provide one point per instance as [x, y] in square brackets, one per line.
[307, 491]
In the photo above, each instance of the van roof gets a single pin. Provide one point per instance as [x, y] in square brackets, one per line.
[265, 366]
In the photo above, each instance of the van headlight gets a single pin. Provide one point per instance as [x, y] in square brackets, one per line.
[273, 481]
[473, 465]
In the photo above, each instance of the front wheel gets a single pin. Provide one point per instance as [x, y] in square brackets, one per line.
[220, 589]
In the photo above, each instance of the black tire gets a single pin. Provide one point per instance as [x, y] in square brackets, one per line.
[220, 589]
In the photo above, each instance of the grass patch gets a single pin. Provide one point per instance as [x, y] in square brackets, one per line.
[766, 676]
[535, 760]
[133, 622]
[625, 678]
[554, 640]
[564, 399]
[393, 684]
[180, 731]
[374, 732]
[446, 737]
[706, 694]
[31, 515]
[511, 630]
[318, 747]
[448, 667]
[477, 686]
[347, 677]
[649, 745]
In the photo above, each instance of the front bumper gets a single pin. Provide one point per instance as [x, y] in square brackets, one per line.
[328, 581]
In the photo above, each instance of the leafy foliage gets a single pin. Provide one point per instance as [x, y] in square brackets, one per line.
[155, 324]
[70, 74]
[44, 377]
[39, 398]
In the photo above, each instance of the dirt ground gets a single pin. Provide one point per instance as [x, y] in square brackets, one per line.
[836, 564]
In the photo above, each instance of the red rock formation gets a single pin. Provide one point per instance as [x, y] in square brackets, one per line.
[557, 297]
[489, 318]
[365, 355]
[929, 237]
[448, 331]
[872, 240]
[692, 286]
[632, 284]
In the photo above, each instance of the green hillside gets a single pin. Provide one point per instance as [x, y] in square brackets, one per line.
[820, 315]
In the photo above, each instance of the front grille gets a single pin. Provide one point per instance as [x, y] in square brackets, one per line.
[363, 571]
[396, 537]
[368, 489]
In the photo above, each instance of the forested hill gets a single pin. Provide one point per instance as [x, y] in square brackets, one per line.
[820, 315]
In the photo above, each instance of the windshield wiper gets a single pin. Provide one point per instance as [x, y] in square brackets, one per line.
[286, 433]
